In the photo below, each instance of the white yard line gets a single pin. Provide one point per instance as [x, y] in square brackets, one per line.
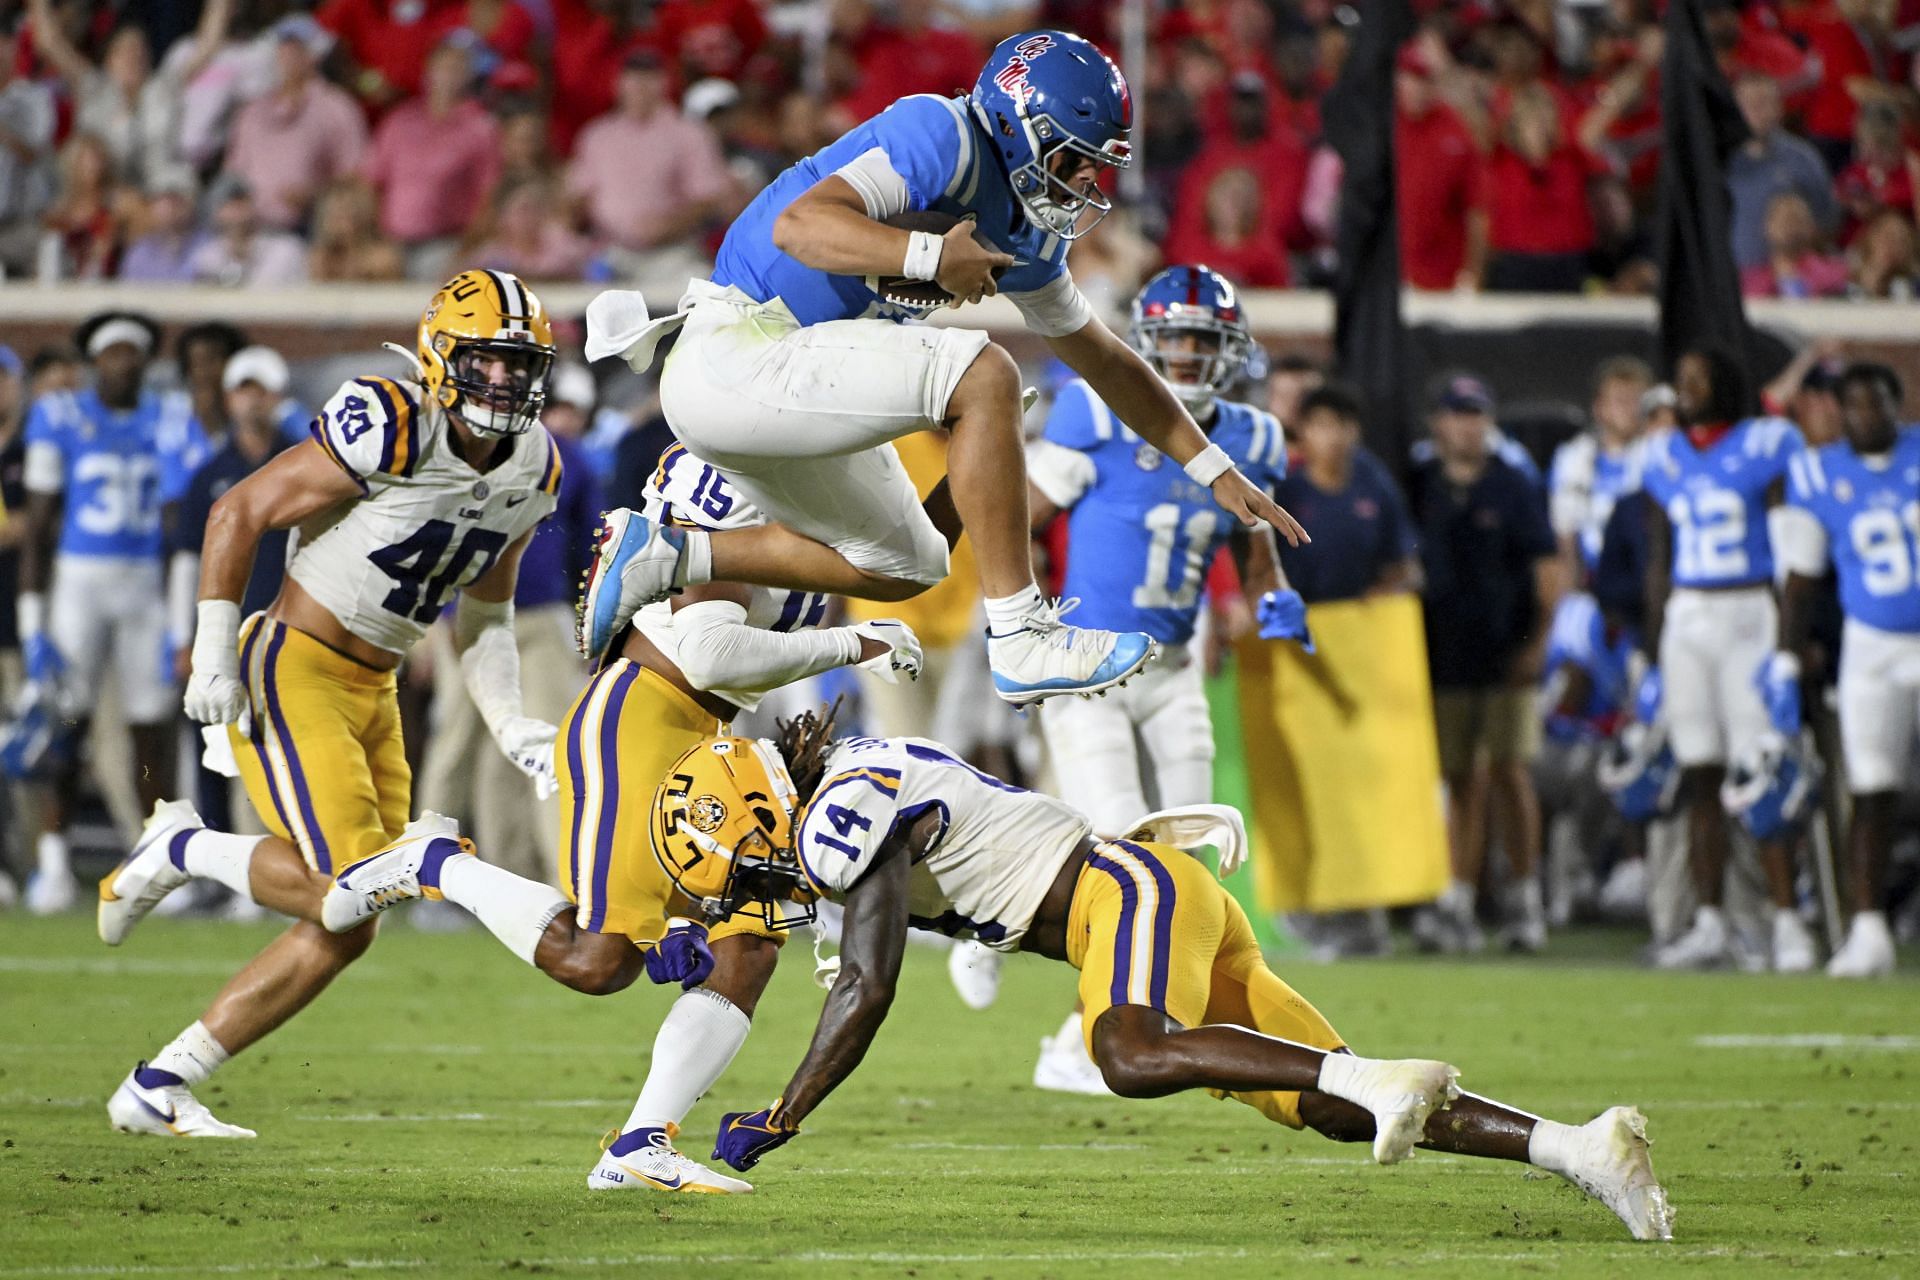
[1809, 1040]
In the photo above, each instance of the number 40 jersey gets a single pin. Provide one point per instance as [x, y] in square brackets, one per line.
[426, 525]
[1141, 535]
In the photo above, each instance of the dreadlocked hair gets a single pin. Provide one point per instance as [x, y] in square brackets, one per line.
[804, 743]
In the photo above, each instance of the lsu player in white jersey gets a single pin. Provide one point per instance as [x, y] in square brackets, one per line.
[680, 672]
[407, 493]
[905, 834]
[1141, 536]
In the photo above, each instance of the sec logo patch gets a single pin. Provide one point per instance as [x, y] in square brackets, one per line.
[1147, 457]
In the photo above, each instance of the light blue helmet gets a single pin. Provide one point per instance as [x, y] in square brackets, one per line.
[1043, 92]
[1772, 789]
[40, 742]
[1639, 772]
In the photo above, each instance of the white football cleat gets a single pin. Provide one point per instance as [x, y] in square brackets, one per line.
[49, 893]
[1065, 1066]
[1613, 1165]
[975, 970]
[154, 1101]
[1793, 949]
[1044, 657]
[635, 563]
[1525, 929]
[147, 874]
[1704, 946]
[1401, 1092]
[645, 1159]
[1868, 950]
[392, 876]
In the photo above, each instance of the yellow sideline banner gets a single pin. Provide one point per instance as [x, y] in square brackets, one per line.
[1342, 763]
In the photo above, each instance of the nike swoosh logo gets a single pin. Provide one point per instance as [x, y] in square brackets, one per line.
[166, 1117]
[661, 1183]
[516, 501]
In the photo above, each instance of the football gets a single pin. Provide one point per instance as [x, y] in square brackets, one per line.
[924, 295]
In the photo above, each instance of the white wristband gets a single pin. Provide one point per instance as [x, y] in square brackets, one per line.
[923, 256]
[216, 640]
[1786, 664]
[1208, 465]
[30, 614]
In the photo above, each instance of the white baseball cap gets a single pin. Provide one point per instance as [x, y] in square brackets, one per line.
[573, 384]
[263, 365]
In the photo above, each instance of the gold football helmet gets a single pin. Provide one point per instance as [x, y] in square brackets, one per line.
[485, 348]
[722, 828]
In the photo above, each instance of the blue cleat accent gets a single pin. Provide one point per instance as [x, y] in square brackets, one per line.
[607, 603]
[1131, 651]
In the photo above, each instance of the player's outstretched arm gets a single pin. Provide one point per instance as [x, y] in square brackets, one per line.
[828, 229]
[718, 649]
[1123, 380]
[873, 938]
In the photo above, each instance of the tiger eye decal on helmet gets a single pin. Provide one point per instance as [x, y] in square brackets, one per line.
[485, 348]
[722, 828]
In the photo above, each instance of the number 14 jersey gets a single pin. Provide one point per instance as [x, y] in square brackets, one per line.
[426, 524]
[1141, 535]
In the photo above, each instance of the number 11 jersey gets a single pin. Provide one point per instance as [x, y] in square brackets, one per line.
[426, 525]
[1141, 535]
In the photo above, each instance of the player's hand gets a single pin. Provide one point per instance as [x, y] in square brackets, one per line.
[1778, 680]
[966, 269]
[1250, 505]
[1649, 691]
[889, 649]
[45, 663]
[1283, 616]
[745, 1136]
[681, 956]
[529, 744]
[216, 697]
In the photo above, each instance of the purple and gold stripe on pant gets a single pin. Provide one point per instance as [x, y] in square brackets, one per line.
[273, 738]
[593, 763]
[1143, 940]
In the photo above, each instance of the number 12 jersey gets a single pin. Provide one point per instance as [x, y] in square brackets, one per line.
[426, 525]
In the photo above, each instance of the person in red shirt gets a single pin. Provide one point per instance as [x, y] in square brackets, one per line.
[1231, 241]
[1881, 175]
[1856, 66]
[591, 41]
[1795, 267]
[1255, 143]
[1534, 193]
[905, 55]
[388, 42]
[1437, 175]
[710, 37]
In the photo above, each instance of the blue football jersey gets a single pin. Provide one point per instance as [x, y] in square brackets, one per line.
[1579, 638]
[1141, 535]
[1871, 514]
[185, 446]
[935, 145]
[1716, 499]
[1585, 484]
[109, 469]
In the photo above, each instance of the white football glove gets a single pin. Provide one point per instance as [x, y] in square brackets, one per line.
[903, 649]
[215, 692]
[529, 744]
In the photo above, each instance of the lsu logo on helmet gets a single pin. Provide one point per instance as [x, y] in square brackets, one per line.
[485, 348]
[722, 828]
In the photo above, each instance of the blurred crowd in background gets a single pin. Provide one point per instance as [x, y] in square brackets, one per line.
[262, 142]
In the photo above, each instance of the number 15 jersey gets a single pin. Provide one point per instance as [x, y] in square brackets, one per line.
[1141, 535]
[426, 523]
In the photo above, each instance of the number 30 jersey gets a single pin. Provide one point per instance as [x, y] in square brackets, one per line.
[105, 464]
[1716, 499]
[426, 523]
[995, 851]
[1140, 534]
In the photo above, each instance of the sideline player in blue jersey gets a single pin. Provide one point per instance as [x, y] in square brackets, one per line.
[1854, 508]
[90, 589]
[792, 372]
[1140, 537]
[1711, 619]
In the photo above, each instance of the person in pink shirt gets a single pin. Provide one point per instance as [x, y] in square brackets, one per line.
[1795, 266]
[289, 143]
[436, 158]
[645, 176]
[530, 236]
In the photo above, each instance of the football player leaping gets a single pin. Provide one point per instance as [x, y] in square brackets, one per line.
[407, 493]
[681, 672]
[1141, 536]
[1177, 995]
[791, 373]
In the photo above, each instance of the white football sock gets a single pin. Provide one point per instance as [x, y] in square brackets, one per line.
[1072, 1030]
[1007, 613]
[696, 1042]
[514, 909]
[193, 1056]
[1554, 1146]
[216, 855]
[50, 853]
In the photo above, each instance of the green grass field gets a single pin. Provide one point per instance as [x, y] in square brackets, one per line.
[437, 1111]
